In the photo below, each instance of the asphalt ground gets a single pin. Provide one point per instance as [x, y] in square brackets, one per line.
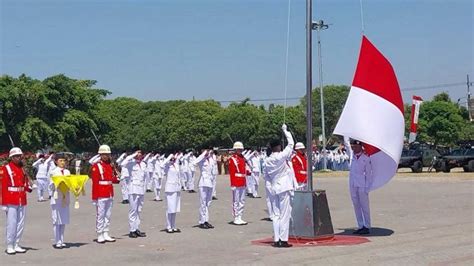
[418, 219]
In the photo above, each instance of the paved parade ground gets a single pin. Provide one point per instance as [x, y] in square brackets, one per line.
[418, 219]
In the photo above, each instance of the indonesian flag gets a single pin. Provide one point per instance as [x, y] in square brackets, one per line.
[415, 112]
[373, 113]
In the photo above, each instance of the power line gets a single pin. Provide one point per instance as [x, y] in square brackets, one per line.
[436, 86]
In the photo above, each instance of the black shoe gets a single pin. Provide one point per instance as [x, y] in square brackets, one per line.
[192, 191]
[364, 231]
[125, 202]
[214, 198]
[149, 190]
[356, 232]
[209, 225]
[251, 196]
[176, 230]
[277, 244]
[284, 244]
[49, 197]
[203, 226]
[140, 234]
[133, 235]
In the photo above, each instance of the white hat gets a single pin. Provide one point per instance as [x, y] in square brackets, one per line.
[238, 145]
[104, 149]
[15, 151]
[299, 146]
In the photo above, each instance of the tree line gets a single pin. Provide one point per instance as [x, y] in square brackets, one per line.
[60, 113]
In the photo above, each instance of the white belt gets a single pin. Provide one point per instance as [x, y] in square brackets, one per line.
[303, 172]
[105, 183]
[16, 189]
[239, 175]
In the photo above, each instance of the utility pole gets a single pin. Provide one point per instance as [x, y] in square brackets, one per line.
[469, 98]
[319, 26]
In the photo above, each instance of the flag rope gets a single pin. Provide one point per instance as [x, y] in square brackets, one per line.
[362, 17]
[286, 58]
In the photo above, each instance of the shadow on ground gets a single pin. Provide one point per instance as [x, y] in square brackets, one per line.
[374, 231]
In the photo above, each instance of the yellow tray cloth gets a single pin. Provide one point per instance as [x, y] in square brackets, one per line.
[73, 183]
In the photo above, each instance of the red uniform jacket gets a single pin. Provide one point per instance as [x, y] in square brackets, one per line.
[237, 171]
[14, 185]
[299, 166]
[102, 179]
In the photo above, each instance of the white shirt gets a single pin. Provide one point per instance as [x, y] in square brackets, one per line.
[137, 173]
[43, 167]
[277, 170]
[205, 163]
[360, 174]
[172, 174]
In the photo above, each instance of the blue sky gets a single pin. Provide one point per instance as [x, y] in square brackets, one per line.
[230, 50]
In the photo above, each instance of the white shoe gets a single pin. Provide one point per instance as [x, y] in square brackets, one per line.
[100, 238]
[19, 249]
[10, 250]
[108, 238]
[239, 221]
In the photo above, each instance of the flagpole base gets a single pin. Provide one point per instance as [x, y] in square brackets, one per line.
[310, 215]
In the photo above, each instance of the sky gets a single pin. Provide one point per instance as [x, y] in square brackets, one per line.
[229, 50]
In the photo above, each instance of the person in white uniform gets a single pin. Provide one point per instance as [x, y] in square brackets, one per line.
[137, 170]
[191, 172]
[279, 173]
[173, 192]
[42, 166]
[214, 172]
[158, 176]
[205, 163]
[256, 172]
[360, 181]
[59, 203]
[124, 179]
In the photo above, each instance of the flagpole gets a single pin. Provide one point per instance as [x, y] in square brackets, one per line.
[309, 92]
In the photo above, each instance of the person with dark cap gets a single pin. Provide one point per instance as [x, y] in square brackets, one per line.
[360, 180]
[278, 171]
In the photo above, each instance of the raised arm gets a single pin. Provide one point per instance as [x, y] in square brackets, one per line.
[94, 159]
[128, 159]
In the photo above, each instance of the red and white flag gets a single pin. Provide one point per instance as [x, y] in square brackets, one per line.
[373, 113]
[415, 112]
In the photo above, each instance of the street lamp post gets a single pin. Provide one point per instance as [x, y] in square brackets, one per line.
[319, 26]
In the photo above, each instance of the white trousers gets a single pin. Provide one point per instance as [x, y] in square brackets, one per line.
[250, 184]
[360, 200]
[238, 201]
[149, 180]
[15, 224]
[171, 220]
[42, 187]
[183, 180]
[136, 205]
[214, 184]
[255, 177]
[269, 199]
[124, 183]
[157, 189]
[189, 180]
[58, 230]
[281, 216]
[104, 212]
[205, 197]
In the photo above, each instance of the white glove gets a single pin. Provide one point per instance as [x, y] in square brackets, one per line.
[284, 128]
[4, 208]
[94, 202]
